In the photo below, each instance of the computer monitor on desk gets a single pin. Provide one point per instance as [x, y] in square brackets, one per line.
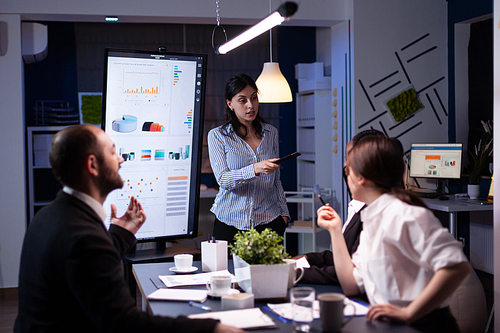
[439, 161]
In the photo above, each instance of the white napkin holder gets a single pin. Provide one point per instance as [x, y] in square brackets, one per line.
[237, 301]
[214, 256]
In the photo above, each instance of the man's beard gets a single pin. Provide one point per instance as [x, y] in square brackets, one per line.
[108, 179]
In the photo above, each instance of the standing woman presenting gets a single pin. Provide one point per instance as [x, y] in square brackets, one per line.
[242, 152]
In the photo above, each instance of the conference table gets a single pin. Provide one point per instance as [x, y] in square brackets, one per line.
[146, 276]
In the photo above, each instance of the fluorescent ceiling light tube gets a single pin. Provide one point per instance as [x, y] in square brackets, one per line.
[276, 18]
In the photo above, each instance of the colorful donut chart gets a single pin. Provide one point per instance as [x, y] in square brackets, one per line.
[124, 124]
[150, 126]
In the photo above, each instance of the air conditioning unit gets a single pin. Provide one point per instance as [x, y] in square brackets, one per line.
[34, 39]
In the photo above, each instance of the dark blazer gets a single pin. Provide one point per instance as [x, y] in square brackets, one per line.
[322, 270]
[71, 277]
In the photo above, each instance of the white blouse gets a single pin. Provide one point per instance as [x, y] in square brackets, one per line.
[400, 248]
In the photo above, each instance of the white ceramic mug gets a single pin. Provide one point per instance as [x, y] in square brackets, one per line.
[219, 285]
[331, 311]
[292, 276]
[183, 262]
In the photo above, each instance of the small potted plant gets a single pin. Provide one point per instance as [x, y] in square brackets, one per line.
[258, 263]
[480, 157]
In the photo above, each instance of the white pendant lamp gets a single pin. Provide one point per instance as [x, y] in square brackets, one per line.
[273, 87]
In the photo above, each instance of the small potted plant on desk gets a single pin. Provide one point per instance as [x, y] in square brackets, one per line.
[480, 157]
[258, 263]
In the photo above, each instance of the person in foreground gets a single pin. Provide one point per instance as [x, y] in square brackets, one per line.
[71, 273]
[407, 263]
[242, 152]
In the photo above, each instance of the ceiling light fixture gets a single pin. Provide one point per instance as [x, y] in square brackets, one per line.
[284, 12]
[111, 19]
[273, 87]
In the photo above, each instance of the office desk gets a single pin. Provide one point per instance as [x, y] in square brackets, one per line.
[454, 206]
[144, 273]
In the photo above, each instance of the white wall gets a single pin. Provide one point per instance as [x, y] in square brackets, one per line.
[380, 30]
[341, 111]
[311, 12]
[12, 177]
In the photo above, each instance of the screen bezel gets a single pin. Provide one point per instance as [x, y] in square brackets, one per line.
[437, 144]
[197, 143]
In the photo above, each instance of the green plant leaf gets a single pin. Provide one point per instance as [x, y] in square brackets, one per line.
[256, 248]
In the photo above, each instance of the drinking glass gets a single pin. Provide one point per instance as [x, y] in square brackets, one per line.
[302, 299]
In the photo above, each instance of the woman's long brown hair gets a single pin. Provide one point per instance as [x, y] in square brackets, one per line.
[380, 160]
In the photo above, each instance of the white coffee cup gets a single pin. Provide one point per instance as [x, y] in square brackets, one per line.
[183, 262]
[219, 285]
[292, 275]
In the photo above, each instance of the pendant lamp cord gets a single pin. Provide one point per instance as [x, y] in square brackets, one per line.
[270, 36]
[217, 20]
[217, 12]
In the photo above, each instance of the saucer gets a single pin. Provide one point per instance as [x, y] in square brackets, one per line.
[231, 292]
[190, 270]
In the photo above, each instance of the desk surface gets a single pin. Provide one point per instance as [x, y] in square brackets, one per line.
[147, 276]
[454, 205]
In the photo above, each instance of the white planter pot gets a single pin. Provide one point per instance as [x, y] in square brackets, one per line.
[473, 191]
[263, 281]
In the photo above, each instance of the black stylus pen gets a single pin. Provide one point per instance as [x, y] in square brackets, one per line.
[322, 201]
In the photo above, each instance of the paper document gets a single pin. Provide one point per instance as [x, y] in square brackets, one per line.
[179, 295]
[302, 262]
[284, 310]
[192, 279]
[244, 319]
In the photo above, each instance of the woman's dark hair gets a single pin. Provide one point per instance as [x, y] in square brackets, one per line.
[233, 86]
[380, 160]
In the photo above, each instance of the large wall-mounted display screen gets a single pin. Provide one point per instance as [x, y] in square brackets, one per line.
[153, 105]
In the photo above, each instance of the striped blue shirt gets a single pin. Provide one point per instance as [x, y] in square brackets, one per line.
[244, 199]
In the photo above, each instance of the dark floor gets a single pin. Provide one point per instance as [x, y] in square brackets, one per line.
[8, 313]
[8, 304]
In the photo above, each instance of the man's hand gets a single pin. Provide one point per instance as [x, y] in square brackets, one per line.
[133, 219]
[221, 328]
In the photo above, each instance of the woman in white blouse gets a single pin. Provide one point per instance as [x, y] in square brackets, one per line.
[242, 152]
[407, 263]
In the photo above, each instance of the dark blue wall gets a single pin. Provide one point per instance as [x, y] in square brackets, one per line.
[459, 11]
[53, 78]
[289, 55]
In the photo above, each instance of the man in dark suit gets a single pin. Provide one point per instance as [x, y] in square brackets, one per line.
[71, 275]
[322, 270]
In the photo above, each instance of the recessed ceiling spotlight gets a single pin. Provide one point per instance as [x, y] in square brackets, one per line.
[111, 19]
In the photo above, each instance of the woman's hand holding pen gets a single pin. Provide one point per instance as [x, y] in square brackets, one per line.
[266, 167]
[329, 219]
